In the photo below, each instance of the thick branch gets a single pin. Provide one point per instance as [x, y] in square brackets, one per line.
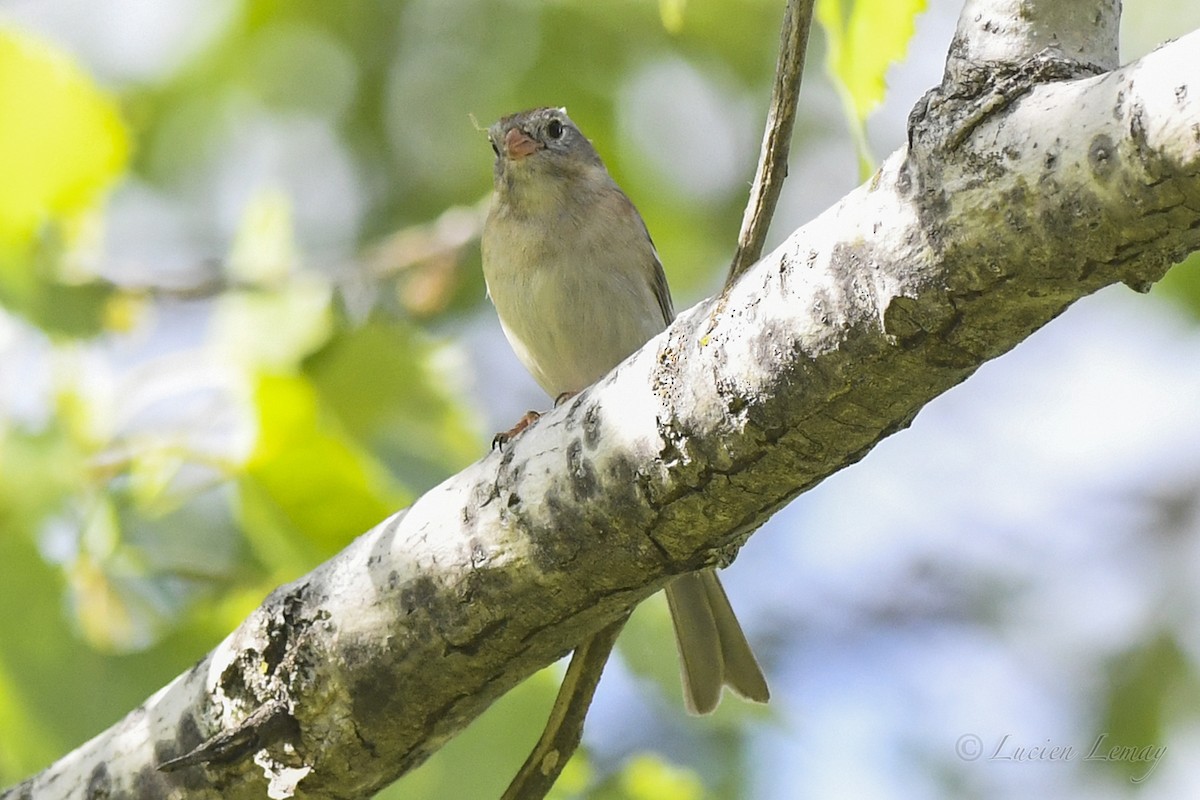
[1013, 201]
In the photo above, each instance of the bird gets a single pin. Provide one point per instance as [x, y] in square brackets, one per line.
[578, 285]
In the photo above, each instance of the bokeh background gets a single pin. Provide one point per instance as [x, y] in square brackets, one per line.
[242, 320]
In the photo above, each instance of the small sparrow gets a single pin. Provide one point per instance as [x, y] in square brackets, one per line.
[578, 287]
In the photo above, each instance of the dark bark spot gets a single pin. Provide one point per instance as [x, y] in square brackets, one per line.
[472, 645]
[23, 791]
[419, 594]
[1102, 155]
[904, 181]
[99, 785]
[583, 476]
[187, 735]
[591, 426]
[233, 682]
[556, 548]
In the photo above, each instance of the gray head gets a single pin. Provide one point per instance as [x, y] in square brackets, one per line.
[543, 149]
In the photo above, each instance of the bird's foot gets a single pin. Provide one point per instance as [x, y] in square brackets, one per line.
[504, 437]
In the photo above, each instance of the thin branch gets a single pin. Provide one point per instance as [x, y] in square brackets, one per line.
[564, 729]
[777, 139]
[425, 254]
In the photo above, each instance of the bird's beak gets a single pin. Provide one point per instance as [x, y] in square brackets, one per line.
[518, 144]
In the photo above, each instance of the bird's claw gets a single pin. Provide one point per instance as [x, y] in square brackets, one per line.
[504, 437]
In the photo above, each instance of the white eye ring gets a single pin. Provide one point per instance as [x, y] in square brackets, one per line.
[554, 129]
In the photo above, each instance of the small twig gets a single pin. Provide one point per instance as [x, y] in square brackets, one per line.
[777, 139]
[270, 723]
[564, 729]
[440, 239]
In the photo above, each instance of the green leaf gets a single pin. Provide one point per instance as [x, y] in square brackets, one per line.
[646, 777]
[671, 13]
[75, 311]
[382, 382]
[309, 488]
[40, 471]
[863, 39]
[62, 147]
[1150, 691]
[33, 653]
[481, 760]
[63, 143]
[264, 250]
[24, 741]
[647, 646]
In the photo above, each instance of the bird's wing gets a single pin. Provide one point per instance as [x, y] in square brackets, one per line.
[662, 292]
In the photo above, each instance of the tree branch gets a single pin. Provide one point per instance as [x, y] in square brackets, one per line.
[1015, 198]
[564, 729]
[994, 32]
[777, 138]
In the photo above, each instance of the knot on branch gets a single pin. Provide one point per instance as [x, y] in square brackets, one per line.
[257, 687]
[973, 92]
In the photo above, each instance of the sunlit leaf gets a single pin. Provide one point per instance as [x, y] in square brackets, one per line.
[671, 12]
[273, 329]
[62, 143]
[264, 251]
[863, 39]
[647, 777]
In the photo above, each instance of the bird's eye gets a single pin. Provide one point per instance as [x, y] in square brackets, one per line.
[554, 129]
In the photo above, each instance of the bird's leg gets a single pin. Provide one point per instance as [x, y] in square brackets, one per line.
[504, 437]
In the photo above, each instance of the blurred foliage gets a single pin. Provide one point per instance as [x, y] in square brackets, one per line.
[69, 146]
[1182, 285]
[67, 149]
[1151, 689]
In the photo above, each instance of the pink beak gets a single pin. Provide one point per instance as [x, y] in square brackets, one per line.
[518, 144]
